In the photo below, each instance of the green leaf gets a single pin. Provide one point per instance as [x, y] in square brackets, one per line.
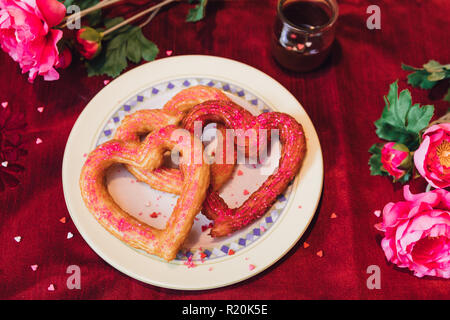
[429, 75]
[198, 12]
[409, 68]
[447, 96]
[376, 167]
[436, 76]
[433, 66]
[401, 121]
[420, 79]
[126, 44]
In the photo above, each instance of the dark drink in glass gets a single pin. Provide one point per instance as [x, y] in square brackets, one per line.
[303, 33]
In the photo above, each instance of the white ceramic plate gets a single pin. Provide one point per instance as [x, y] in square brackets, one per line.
[217, 262]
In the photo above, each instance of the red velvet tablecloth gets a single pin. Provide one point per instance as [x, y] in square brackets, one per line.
[343, 98]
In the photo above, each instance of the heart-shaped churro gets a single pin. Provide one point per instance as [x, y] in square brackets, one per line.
[293, 149]
[147, 155]
[142, 122]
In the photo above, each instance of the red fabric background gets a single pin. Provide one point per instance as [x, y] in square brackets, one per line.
[343, 99]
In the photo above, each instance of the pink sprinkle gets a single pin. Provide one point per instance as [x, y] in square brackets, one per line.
[300, 46]
[38, 141]
[132, 181]
[34, 267]
[293, 36]
[63, 220]
[210, 269]
[262, 229]
[40, 109]
[240, 173]
[169, 52]
[105, 82]
[333, 216]
[299, 207]
[189, 263]
[51, 287]
[320, 253]
[377, 213]
[5, 104]
[84, 155]
[246, 192]
[140, 213]
[251, 267]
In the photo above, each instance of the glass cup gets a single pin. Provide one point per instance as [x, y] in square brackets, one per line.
[303, 33]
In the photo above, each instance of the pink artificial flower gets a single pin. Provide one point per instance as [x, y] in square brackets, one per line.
[432, 159]
[396, 159]
[26, 34]
[417, 233]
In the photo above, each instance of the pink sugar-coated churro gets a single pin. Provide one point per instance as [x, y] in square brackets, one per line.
[146, 155]
[142, 122]
[293, 150]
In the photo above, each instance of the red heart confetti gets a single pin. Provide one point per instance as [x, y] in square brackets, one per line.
[251, 267]
[246, 192]
[169, 52]
[62, 220]
[105, 82]
[240, 173]
[300, 46]
[154, 215]
[305, 245]
[231, 252]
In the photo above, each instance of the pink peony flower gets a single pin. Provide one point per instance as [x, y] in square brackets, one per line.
[417, 233]
[89, 42]
[396, 159]
[432, 159]
[26, 35]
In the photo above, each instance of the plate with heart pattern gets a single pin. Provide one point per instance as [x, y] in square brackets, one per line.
[203, 262]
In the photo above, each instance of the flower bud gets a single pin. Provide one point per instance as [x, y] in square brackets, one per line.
[396, 159]
[89, 42]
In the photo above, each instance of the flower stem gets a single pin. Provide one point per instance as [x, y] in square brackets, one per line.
[86, 11]
[137, 16]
